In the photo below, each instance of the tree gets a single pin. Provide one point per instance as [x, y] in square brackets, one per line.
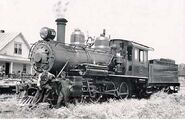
[181, 69]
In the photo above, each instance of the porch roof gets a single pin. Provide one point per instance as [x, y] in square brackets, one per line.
[14, 59]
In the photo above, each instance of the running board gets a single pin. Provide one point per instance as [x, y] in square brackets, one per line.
[127, 76]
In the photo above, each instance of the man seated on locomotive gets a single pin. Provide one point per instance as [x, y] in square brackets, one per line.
[44, 83]
[119, 59]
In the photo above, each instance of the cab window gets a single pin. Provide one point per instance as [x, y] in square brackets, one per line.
[136, 54]
[141, 56]
[145, 56]
[129, 53]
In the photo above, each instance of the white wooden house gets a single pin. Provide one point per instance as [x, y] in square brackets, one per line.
[14, 50]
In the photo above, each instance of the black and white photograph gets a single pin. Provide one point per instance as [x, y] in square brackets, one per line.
[92, 59]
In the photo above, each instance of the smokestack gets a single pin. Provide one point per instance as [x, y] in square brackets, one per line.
[61, 23]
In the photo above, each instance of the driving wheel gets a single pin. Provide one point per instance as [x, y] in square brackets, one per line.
[123, 91]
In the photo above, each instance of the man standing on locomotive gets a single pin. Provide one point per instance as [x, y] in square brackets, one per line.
[44, 81]
[63, 90]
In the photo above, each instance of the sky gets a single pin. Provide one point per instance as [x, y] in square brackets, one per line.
[159, 24]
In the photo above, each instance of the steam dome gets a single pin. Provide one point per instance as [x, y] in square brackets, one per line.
[77, 37]
[102, 42]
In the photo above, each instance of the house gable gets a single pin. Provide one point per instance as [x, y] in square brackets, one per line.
[8, 49]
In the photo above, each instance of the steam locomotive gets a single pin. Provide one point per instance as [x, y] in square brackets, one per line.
[106, 68]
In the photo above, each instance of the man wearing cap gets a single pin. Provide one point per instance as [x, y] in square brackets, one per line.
[44, 81]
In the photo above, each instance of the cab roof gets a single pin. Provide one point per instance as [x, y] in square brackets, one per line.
[135, 44]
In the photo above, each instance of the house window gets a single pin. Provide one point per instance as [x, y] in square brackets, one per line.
[24, 68]
[18, 48]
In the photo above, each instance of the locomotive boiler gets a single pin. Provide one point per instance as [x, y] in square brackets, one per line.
[104, 69]
[52, 55]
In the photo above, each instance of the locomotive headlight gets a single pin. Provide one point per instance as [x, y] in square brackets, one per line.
[47, 33]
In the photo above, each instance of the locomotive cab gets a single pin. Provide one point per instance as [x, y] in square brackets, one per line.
[140, 59]
[131, 58]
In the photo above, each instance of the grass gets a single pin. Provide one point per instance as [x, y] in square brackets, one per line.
[159, 106]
